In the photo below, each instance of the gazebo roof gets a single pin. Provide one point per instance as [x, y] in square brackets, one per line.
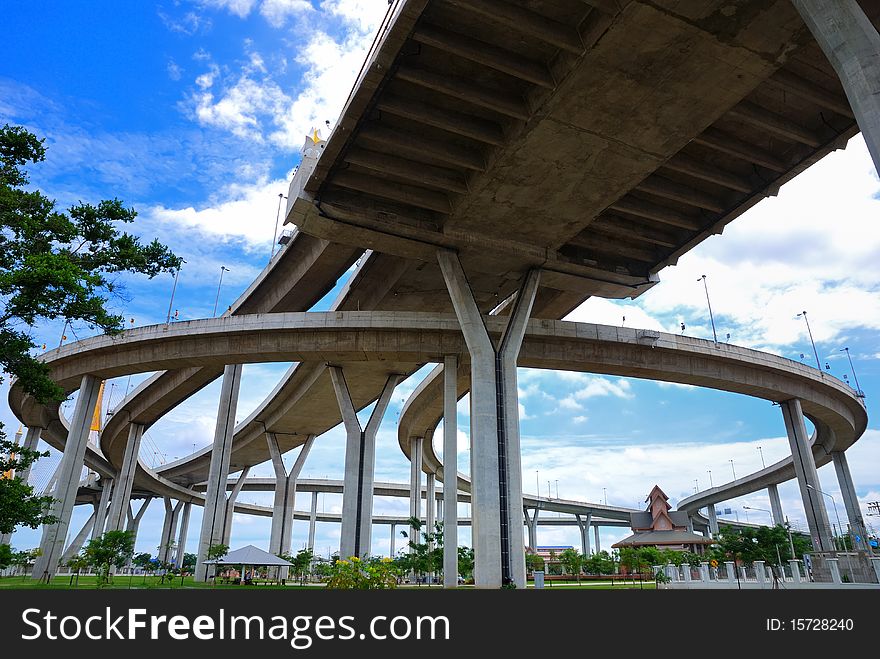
[249, 555]
[663, 538]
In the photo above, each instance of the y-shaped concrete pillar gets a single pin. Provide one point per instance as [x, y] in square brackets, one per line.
[808, 479]
[532, 525]
[69, 470]
[78, 541]
[214, 513]
[169, 530]
[713, 519]
[230, 505]
[313, 518]
[180, 554]
[134, 520]
[360, 465]
[496, 473]
[852, 45]
[775, 504]
[584, 526]
[125, 479]
[102, 506]
[285, 494]
[850, 500]
[450, 471]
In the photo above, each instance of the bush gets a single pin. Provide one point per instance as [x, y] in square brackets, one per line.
[355, 574]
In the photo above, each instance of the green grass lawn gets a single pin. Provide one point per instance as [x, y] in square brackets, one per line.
[141, 582]
[124, 582]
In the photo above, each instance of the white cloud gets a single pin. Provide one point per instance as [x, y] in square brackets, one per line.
[580, 419]
[175, 72]
[598, 386]
[277, 12]
[249, 212]
[240, 8]
[569, 403]
[523, 415]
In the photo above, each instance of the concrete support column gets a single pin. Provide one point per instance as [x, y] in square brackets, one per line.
[690, 524]
[360, 465]
[795, 571]
[169, 530]
[415, 481]
[805, 468]
[215, 494]
[775, 505]
[450, 471]
[596, 535]
[584, 526]
[391, 547]
[704, 572]
[134, 520]
[31, 439]
[532, 525]
[852, 46]
[125, 479]
[184, 531]
[850, 500]
[102, 506]
[430, 502]
[313, 518]
[80, 538]
[230, 505]
[285, 494]
[496, 473]
[69, 470]
[686, 572]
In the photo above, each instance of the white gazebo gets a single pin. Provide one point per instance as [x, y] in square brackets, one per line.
[250, 556]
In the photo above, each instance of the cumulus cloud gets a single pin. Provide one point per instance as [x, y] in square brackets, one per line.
[278, 12]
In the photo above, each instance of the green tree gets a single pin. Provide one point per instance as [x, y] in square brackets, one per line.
[113, 549]
[534, 562]
[189, 561]
[302, 564]
[466, 562]
[56, 264]
[425, 554]
[76, 565]
[144, 561]
[7, 556]
[215, 553]
[572, 561]
[600, 563]
[19, 506]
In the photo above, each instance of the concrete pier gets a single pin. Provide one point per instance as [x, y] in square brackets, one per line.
[360, 464]
[69, 470]
[215, 496]
[285, 494]
[450, 471]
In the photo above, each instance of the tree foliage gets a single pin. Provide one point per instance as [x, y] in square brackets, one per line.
[56, 264]
[112, 549]
[766, 543]
[600, 563]
[572, 562]
[19, 506]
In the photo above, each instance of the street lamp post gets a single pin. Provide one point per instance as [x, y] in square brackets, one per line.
[173, 290]
[711, 317]
[537, 484]
[763, 466]
[277, 217]
[763, 510]
[859, 392]
[732, 469]
[813, 343]
[223, 269]
[605, 495]
[710, 479]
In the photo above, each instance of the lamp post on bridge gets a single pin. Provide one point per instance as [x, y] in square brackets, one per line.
[711, 317]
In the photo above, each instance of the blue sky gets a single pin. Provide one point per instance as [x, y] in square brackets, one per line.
[193, 112]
